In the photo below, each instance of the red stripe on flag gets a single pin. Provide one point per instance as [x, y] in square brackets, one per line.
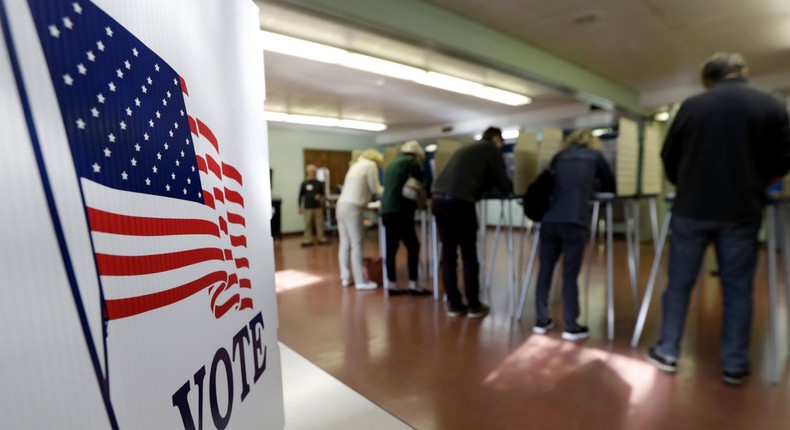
[132, 265]
[108, 222]
[218, 195]
[221, 310]
[214, 167]
[208, 200]
[234, 197]
[236, 219]
[122, 308]
[206, 132]
[242, 262]
[223, 225]
[183, 85]
[238, 241]
[245, 283]
[246, 303]
[228, 255]
[201, 164]
[229, 171]
[192, 125]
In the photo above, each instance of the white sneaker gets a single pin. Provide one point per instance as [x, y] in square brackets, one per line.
[366, 286]
[345, 283]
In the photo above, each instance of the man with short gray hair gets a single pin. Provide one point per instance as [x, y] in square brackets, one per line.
[724, 147]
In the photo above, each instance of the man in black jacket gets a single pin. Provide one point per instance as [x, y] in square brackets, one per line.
[471, 171]
[311, 206]
[723, 149]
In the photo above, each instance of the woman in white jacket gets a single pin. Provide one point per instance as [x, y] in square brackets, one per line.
[360, 185]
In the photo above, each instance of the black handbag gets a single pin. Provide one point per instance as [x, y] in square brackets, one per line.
[538, 196]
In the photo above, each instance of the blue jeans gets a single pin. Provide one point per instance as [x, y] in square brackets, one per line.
[736, 253]
[568, 240]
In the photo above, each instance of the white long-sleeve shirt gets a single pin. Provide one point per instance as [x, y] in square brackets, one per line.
[362, 182]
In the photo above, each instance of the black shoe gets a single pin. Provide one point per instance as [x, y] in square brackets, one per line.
[456, 311]
[736, 379]
[307, 244]
[663, 364]
[543, 327]
[325, 242]
[397, 291]
[419, 292]
[577, 333]
[478, 311]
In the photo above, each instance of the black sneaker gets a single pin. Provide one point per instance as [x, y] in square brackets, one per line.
[578, 333]
[478, 311]
[397, 291]
[543, 327]
[456, 311]
[736, 379]
[663, 364]
[420, 292]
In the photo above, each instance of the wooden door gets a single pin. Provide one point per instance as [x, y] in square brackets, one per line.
[336, 161]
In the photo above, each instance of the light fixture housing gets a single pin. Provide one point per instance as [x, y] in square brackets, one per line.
[322, 121]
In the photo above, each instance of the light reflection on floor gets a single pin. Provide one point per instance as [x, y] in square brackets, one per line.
[556, 360]
[289, 279]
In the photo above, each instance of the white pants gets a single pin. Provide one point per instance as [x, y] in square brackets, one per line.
[349, 225]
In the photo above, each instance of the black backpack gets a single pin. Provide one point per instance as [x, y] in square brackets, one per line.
[539, 193]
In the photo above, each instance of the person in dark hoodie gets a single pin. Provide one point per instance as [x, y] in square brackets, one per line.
[469, 173]
[578, 169]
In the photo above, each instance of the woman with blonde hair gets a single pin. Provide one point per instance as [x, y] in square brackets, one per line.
[579, 169]
[360, 185]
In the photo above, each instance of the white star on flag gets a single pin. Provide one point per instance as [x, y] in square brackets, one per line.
[151, 123]
[156, 67]
[167, 187]
[145, 90]
[166, 146]
[134, 52]
[100, 97]
[107, 152]
[112, 86]
[80, 124]
[100, 45]
[124, 175]
[155, 169]
[67, 23]
[164, 102]
[134, 162]
[127, 64]
[137, 147]
[95, 112]
[77, 8]
[53, 30]
[158, 115]
[111, 137]
[90, 55]
[178, 163]
[119, 73]
[123, 125]
[175, 124]
[150, 82]
[189, 181]
[185, 191]
[108, 30]
[81, 68]
[67, 79]
[96, 167]
[137, 102]
[145, 136]
[171, 133]
[147, 181]
[182, 154]
[129, 111]
[173, 175]
[158, 155]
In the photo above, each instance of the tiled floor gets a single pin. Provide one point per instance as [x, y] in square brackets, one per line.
[434, 372]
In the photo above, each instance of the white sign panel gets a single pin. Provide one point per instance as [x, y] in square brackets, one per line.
[141, 290]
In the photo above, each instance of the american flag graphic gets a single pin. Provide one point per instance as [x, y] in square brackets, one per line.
[166, 214]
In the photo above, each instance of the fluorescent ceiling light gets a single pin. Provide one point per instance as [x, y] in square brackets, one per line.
[383, 67]
[323, 121]
[328, 54]
[431, 148]
[362, 125]
[510, 134]
[502, 96]
[301, 48]
[662, 116]
[450, 83]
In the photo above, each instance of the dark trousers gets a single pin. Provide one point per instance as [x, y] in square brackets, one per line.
[568, 240]
[400, 227]
[456, 221]
[736, 253]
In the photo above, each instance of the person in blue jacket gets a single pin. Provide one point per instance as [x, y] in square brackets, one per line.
[579, 170]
